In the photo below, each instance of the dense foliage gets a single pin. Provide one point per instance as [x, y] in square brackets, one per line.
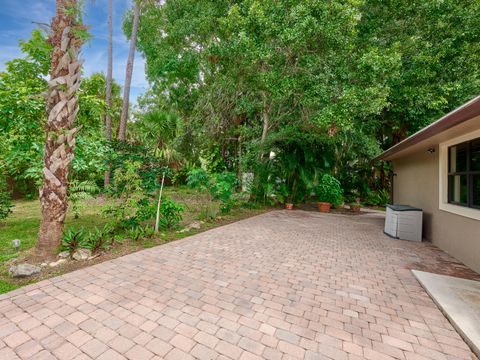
[321, 86]
[274, 91]
[22, 118]
[5, 199]
[329, 190]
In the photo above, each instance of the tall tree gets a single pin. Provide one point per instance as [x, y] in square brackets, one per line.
[128, 75]
[108, 92]
[67, 37]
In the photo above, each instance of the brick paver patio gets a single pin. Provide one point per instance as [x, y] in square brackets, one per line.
[283, 285]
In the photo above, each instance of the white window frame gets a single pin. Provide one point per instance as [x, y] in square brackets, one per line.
[443, 178]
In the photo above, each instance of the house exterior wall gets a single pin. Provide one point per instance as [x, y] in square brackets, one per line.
[417, 183]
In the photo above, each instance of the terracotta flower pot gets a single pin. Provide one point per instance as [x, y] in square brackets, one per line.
[324, 207]
[289, 206]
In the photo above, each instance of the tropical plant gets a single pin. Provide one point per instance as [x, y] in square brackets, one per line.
[329, 190]
[99, 239]
[73, 239]
[149, 168]
[378, 198]
[198, 179]
[79, 191]
[223, 188]
[132, 205]
[171, 213]
[135, 233]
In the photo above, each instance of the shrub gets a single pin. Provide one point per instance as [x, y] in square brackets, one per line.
[329, 190]
[224, 186]
[133, 205]
[5, 200]
[137, 233]
[220, 186]
[73, 239]
[99, 239]
[378, 198]
[171, 213]
[198, 179]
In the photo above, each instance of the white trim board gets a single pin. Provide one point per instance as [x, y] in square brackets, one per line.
[451, 295]
[443, 178]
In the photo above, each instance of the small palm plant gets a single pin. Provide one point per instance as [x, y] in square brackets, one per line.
[78, 191]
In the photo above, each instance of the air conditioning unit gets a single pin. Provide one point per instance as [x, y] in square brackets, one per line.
[404, 222]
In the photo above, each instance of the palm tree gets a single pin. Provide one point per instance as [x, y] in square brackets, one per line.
[67, 37]
[108, 91]
[128, 75]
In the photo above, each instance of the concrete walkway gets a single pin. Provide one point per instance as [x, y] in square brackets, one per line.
[284, 285]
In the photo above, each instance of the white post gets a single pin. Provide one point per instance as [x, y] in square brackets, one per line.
[158, 205]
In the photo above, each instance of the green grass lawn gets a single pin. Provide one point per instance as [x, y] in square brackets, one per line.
[24, 222]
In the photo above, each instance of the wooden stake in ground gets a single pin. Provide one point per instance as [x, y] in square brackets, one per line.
[157, 220]
[62, 109]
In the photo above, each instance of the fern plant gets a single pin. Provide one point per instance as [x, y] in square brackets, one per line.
[78, 191]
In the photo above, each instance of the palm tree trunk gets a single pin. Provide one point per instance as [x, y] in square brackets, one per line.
[128, 76]
[62, 109]
[108, 91]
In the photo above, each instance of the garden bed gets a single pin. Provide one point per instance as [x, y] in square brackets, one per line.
[24, 222]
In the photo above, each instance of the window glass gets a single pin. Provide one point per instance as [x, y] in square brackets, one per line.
[458, 189]
[458, 158]
[475, 156]
[476, 190]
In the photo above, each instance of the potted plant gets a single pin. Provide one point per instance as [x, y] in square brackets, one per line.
[329, 192]
[284, 196]
[289, 202]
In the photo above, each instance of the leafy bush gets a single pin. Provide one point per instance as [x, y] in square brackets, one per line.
[378, 198]
[99, 239]
[329, 190]
[171, 213]
[96, 240]
[198, 179]
[140, 232]
[73, 239]
[224, 186]
[5, 200]
[181, 175]
[80, 190]
[133, 204]
[148, 232]
[147, 167]
[220, 186]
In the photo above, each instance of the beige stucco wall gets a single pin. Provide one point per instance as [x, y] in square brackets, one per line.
[416, 183]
